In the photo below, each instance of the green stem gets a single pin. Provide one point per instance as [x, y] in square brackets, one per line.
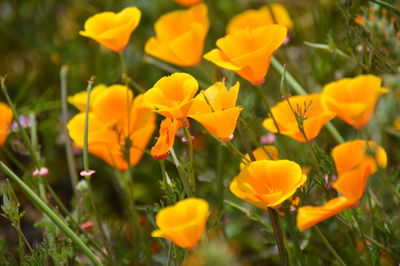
[164, 173]
[332, 250]
[299, 89]
[97, 218]
[184, 180]
[53, 216]
[273, 215]
[86, 133]
[21, 130]
[169, 253]
[190, 172]
[67, 144]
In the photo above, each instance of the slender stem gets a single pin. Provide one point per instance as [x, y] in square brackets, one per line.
[164, 173]
[21, 130]
[273, 215]
[125, 77]
[332, 250]
[22, 237]
[97, 218]
[184, 180]
[86, 133]
[67, 143]
[299, 89]
[169, 253]
[53, 216]
[190, 172]
[296, 243]
[75, 223]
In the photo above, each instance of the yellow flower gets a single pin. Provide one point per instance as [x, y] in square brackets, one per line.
[6, 116]
[110, 129]
[248, 52]
[267, 183]
[166, 140]
[355, 162]
[183, 223]
[267, 152]
[255, 18]
[172, 95]
[317, 115]
[215, 109]
[187, 3]
[354, 99]
[180, 36]
[112, 30]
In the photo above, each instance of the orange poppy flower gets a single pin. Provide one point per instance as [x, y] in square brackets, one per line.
[180, 36]
[215, 109]
[362, 152]
[248, 52]
[110, 129]
[187, 3]
[183, 223]
[166, 140]
[255, 18]
[354, 99]
[317, 115]
[267, 183]
[354, 172]
[6, 116]
[262, 153]
[172, 96]
[112, 30]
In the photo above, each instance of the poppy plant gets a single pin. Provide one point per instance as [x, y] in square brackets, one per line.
[172, 96]
[215, 108]
[354, 99]
[309, 107]
[112, 30]
[354, 172]
[6, 116]
[119, 127]
[180, 36]
[255, 18]
[248, 51]
[183, 223]
[267, 183]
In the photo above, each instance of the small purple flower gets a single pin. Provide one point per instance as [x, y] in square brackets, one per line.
[23, 120]
[87, 173]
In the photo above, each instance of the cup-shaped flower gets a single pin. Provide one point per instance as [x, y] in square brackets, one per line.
[267, 183]
[166, 139]
[310, 108]
[187, 3]
[355, 162]
[172, 96]
[112, 30]
[266, 152]
[118, 126]
[6, 116]
[248, 52]
[215, 108]
[180, 36]
[183, 223]
[254, 18]
[354, 99]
